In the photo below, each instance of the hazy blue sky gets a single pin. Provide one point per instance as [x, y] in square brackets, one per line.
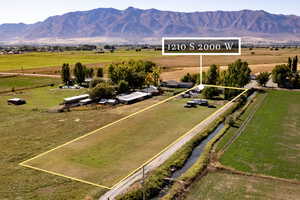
[30, 11]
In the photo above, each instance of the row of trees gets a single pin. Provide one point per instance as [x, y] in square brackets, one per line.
[236, 75]
[80, 72]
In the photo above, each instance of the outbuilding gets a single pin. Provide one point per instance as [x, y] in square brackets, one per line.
[152, 90]
[75, 99]
[133, 97]
[175, 84]
[85, 101]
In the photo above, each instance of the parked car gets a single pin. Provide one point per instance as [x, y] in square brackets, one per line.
[112, 102]
[16, 101]
[103, 101]
[187, 105]
[200, 102]
[211, 106]
[191, 104]
[186, 95]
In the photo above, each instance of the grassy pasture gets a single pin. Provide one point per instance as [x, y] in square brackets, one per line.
[29, 130]
[21, 82]
[238, 122]
[40, 60]
[113, 152]
[270, 143]
[222, 186]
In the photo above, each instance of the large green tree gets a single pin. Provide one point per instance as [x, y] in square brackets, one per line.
[133, 72]
[280, 75]
[295, 65]
[65, 73]
[102, 90]
[287, 75]
[212, 75]
[237, 75]
[79, 73]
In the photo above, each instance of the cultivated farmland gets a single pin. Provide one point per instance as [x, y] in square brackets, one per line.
[174, 67]
[270, 143]
[42, 60]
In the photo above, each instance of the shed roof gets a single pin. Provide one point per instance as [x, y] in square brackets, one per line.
[80, 97]
[133, 96]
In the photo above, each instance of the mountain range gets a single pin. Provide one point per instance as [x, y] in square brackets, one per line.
[138, 25]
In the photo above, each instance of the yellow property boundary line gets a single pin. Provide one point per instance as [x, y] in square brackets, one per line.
[187, 133]
[117, 121]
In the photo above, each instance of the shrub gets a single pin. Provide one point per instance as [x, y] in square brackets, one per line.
[123, 87]
[102, 90]
[95, 82]
[210, 92]
[263, 78]
[230, 121]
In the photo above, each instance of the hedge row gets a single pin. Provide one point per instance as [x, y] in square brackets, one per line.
[156, 180]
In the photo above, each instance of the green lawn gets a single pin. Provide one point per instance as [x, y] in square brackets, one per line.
[20, 82]
[222, 186]
[270, 143]
[113, 152]
[38, 60]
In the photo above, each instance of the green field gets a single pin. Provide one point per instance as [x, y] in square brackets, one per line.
[29, 130]
[270, 143]
[39, 60]
[232, 131]
[112, 153]
[21, 82]
[222, 186]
